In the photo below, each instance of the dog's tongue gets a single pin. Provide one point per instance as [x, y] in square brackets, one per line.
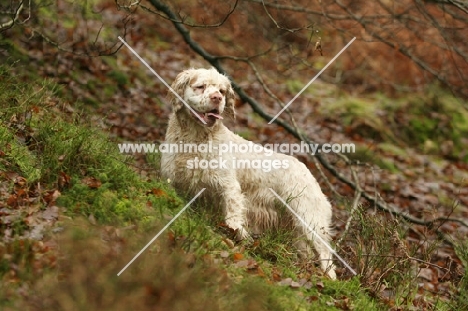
[217, 116]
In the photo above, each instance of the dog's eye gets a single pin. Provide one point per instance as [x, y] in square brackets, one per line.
[199, 87]
[222, 91]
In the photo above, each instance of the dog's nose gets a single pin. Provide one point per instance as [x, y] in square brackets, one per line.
[216, 97]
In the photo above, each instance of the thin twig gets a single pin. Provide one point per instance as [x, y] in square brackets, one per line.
[11, 23]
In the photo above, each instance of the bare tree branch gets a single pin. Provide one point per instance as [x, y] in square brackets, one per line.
[462, 5]
[402, 49]
[94, 50]
[181, 20]
[14, 19]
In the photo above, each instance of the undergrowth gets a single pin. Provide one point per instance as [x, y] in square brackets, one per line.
[66, 180]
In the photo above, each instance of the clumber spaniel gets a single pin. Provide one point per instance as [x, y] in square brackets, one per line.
[237, 180]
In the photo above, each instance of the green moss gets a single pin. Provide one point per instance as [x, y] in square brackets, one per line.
[348, 109]
[362, 154]
[119, 77]
[294, 86]
[386, 164]
[18, 156]
[392, 149]
[435, 122]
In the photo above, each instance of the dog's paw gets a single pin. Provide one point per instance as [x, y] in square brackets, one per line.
[243, 235]
[236, 233]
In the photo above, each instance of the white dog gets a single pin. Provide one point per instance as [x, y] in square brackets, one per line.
[237, 178]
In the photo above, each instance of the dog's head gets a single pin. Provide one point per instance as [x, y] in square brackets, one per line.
[208, 93]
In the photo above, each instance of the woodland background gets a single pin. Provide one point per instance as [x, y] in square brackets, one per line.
[73, 211]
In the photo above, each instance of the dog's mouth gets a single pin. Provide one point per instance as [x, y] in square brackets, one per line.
[209, 117]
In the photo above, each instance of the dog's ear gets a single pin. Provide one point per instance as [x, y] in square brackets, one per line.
[230, 110]
[179, 85]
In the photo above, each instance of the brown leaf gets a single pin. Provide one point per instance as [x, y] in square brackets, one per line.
[312, 298]
[50, 213]
[307, 285]
[12, 200]
[21, 192]
[11, 175]
[252, 266]
[92, 182]
[428, 274]
[242, 264]
[259, 271]
[157, 192]
[275, 275]
[50, 196]
[344, 304]
[5, 211]
[320, 285]
[20, 181]
[63, 180]
[237, 256]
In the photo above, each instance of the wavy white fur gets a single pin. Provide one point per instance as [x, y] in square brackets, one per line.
[243, 194]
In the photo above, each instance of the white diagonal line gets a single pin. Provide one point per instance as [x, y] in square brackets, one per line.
[162, 230]
[313, 79]
[161, 79]
[315, 233]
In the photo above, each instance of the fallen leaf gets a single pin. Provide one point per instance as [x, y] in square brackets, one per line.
[157, 192]
[320, 285]
[21, 193]
[252, 266]
[344, 304]
[285, 282]
[20, 181]
[50, 196]
[242, 264]
[228, 242]
[259, 271]
[237, 256]
[307, 285]
[36, 232]
[12, 200]
[276, 276]
[428, 274]
[312, 298]
[50, 213]
[92, 182]
[5, 211]
[63, 180]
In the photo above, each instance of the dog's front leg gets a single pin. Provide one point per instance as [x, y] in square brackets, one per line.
[235, 210]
